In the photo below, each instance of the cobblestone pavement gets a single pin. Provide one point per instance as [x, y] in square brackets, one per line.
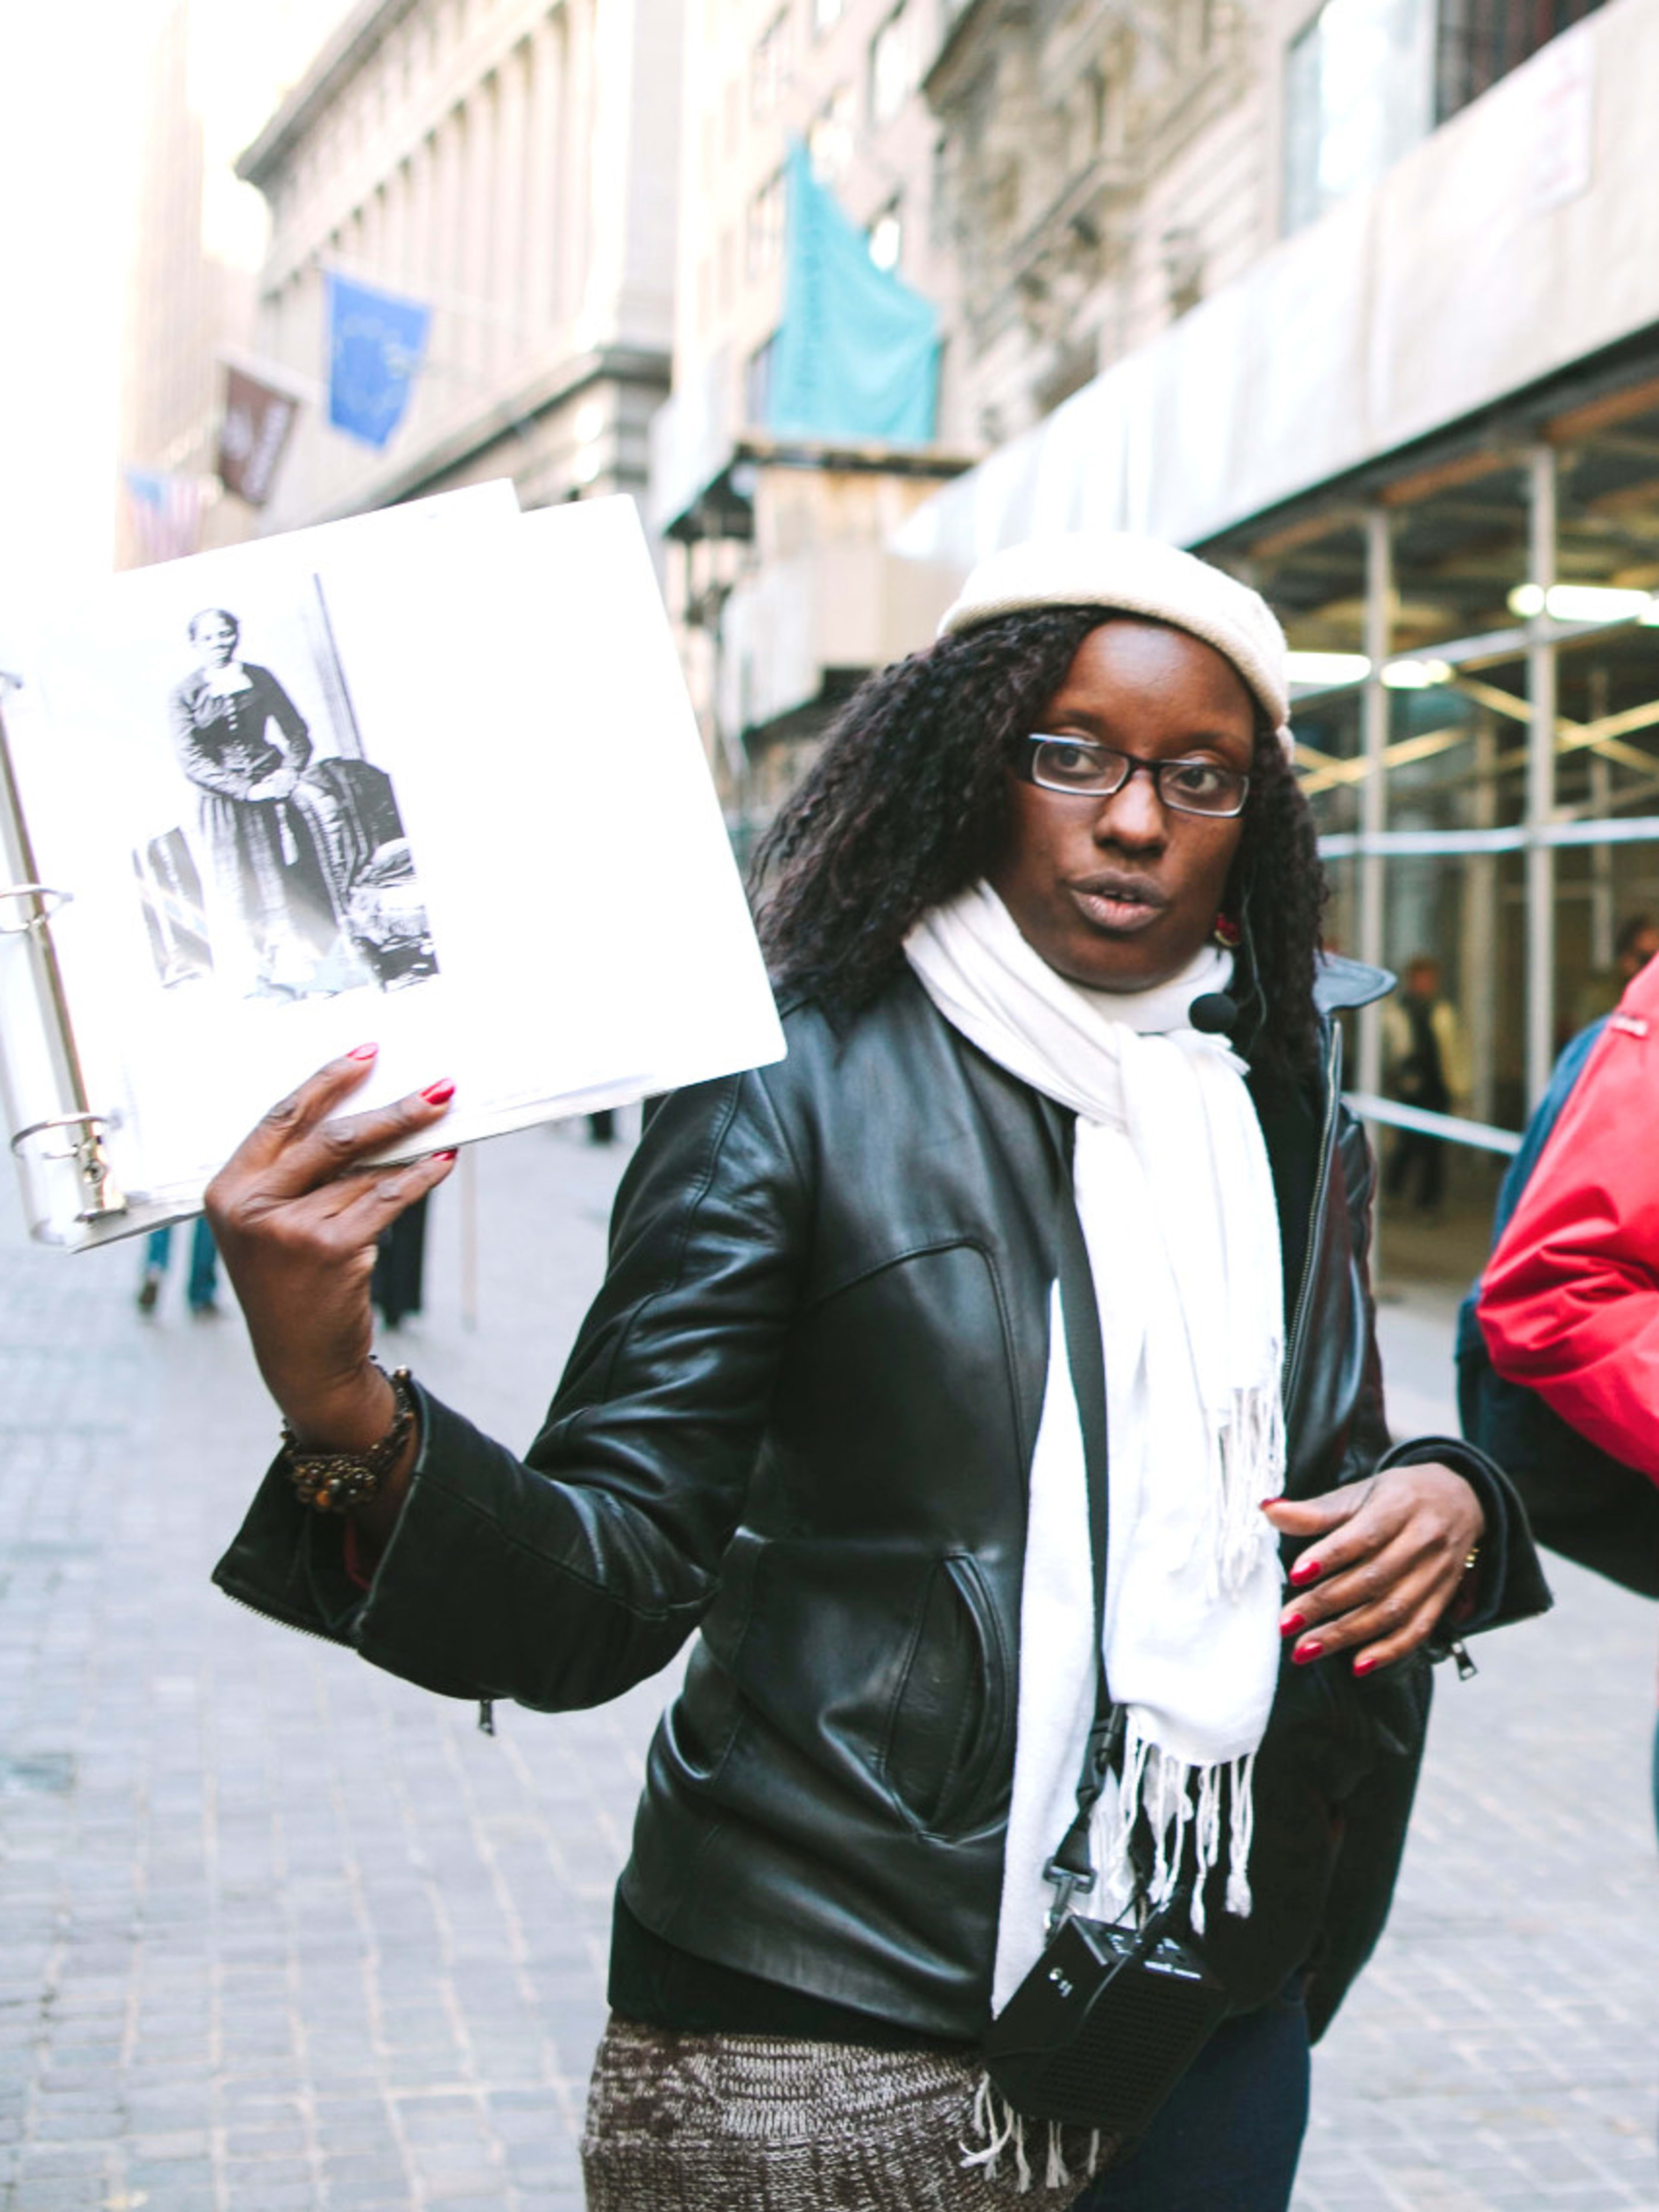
[278, 1932]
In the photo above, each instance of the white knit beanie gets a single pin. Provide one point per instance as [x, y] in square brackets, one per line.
[1133, 575]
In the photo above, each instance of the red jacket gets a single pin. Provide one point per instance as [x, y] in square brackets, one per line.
[1569, 1303]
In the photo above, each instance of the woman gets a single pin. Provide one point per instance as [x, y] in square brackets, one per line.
[832, 1409]
[243, 743]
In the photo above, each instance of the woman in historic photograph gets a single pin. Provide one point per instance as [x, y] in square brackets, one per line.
[985, 1366]
[245, 745]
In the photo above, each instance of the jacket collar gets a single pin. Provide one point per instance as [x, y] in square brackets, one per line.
[1340, 983]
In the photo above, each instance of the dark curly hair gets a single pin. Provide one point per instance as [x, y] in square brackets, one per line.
[907, 804]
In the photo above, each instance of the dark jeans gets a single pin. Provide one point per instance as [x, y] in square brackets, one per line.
[1228, 2139]
[203, 1261]
[1413, 1149]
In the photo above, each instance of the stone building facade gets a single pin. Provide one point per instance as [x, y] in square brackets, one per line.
[512, 164]
[1066, 179]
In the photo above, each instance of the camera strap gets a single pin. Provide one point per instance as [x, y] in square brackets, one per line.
[1072, 1869]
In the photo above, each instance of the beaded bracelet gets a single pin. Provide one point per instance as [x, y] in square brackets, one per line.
[335, 1482]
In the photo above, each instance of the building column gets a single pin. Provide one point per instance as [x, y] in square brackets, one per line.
[543, 248]
[1541, 785]
[577, 111]
[512, 206]
[472, 287]
[419, 269]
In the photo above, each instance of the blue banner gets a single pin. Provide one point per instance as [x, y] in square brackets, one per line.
[856, 356]
[375, 343]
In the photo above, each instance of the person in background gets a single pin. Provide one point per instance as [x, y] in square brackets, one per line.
[1569, 1304]
[201, 1289]
[1635, 945]
[1601, 988]
[398, 1284]
[1426, 1064]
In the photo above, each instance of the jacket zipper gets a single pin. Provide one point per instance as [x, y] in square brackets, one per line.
[294, 1627]
[486, 1706]
[1315, 1216]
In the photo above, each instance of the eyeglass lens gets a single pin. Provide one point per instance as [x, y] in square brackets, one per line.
[1191, 786]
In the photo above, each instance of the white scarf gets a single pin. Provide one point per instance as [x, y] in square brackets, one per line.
[1176, 1199]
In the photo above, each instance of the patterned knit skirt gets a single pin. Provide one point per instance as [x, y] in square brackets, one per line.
[680, 2122]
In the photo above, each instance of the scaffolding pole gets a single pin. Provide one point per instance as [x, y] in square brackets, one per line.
[1374, 792]
[1542, 675]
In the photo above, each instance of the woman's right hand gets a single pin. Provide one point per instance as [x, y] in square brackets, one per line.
[295, 1213]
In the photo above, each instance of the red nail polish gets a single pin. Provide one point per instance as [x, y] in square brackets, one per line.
[1305, 1652]
[362, 1052]
[439, 1094]
[1305, 1570]
[446, 1156]
[1364, 1666]
[1293, 1625]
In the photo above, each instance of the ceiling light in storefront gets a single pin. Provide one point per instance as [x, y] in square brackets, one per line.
[1581, 602]
[1324, 669]
[1594, 603]
[1415, 675]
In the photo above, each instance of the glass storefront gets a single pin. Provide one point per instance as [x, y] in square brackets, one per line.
[1476, 639]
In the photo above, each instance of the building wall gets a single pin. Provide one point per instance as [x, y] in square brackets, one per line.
[1071, 176]
[511, 163]
[1516, 239]
[185, 305]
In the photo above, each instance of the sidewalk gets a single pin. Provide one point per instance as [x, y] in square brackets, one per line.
[278, 1932]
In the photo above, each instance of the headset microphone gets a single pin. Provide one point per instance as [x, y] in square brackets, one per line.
[1214, 1014]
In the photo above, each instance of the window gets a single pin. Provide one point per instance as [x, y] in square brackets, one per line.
[1479, 41]
[768, 71]
[829, 135]
[765, 230]
[1357, 94]
[757, 382]
[892, 65]
[886, 236]
[725, 273]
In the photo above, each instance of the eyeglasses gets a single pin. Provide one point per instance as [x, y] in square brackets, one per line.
[1189, 787]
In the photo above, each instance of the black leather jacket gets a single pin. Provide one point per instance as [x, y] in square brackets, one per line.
[799, 1419]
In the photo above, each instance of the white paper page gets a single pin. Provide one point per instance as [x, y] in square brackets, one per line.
[578, 928]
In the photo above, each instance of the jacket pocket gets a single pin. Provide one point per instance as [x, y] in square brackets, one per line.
[942, 1757]
[702, 1724]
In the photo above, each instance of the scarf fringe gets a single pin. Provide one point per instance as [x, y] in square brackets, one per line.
[1181, 1802]
[998, 2128]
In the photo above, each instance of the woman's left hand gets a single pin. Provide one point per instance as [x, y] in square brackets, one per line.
[1382, 1561]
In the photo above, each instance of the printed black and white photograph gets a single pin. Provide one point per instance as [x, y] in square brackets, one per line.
[287, 874]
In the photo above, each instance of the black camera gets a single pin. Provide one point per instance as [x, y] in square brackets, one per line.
[1103, 2027]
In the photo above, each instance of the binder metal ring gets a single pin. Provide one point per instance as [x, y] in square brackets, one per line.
[47, 899]
[90, 1123]
[103, 1196]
